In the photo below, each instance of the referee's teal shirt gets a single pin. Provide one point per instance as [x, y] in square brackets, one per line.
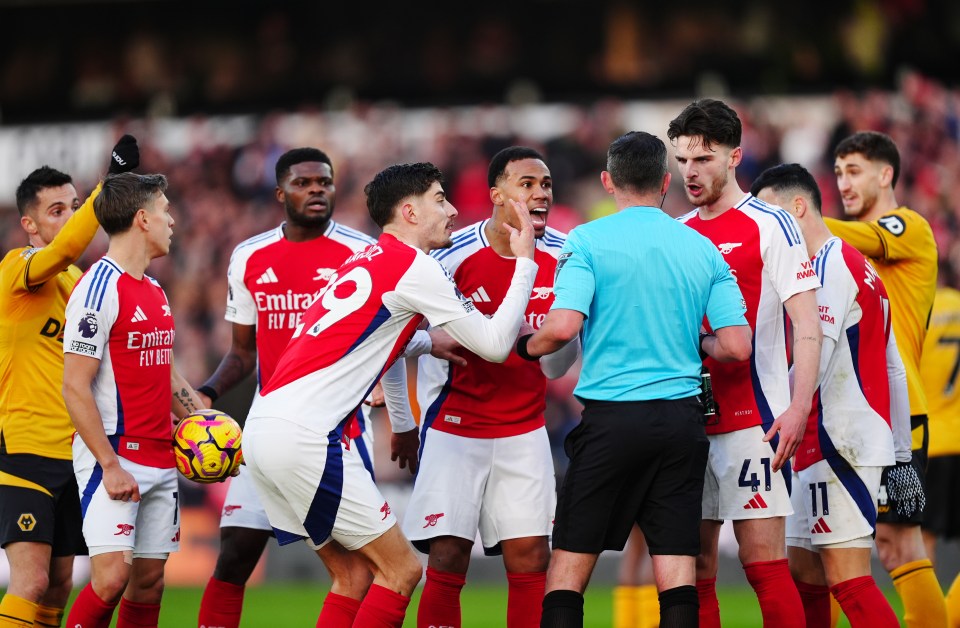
[644, 282]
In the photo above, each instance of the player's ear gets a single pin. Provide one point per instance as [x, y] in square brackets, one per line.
[409, 213]
[886, 175]
[278, 192]
[496, 197]
[800, 206]
[29, 225]
[736, 156]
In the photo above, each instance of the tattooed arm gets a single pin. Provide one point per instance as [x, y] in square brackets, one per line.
[239, 362]
[185, 398]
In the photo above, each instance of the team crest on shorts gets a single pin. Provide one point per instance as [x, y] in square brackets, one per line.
[27, 522]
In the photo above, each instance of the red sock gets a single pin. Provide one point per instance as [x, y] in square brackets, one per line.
[816, 603]
[779, 599]
[338, 611]
[440, 601]
[381, 608]
[221, 605]
[864, 604]
[89, 610]
[134, 615]
[709, 604]
[525, 599]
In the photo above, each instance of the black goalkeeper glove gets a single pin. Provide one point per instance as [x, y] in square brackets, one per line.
[905, 489]
[125, 156]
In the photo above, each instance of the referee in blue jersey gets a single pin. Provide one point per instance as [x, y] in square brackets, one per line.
[638, 284]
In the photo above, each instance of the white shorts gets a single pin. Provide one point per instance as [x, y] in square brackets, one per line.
[242, 507]
[505, 487]
[835, 505]
[739, 482]
[150, 527]
[313, 486]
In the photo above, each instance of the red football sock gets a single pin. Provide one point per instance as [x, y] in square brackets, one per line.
[338, 611]
[221, 605]
[525, 599]
[134, 615]
[440, 601]
[864, 604]
[709, 604]
[816, 603]
[779, 599]
[381, 608]
[89, 610]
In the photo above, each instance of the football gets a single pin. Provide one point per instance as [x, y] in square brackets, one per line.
[206, 445]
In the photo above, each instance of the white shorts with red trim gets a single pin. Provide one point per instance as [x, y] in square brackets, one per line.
[739, 482]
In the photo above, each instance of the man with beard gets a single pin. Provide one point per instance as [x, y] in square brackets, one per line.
[900, 244]
[758, 424]
[504, 480]
[273, 277]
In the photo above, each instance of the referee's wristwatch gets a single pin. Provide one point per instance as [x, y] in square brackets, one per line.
[703, 354]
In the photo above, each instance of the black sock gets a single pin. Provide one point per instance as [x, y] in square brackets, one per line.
[679, 607]
[562, 609]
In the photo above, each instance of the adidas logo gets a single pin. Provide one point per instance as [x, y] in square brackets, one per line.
[138, 316]
[820, 527]
[268, 276]
[480, 296]
[755, 503]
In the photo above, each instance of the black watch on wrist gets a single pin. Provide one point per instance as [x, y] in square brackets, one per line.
[703, 354]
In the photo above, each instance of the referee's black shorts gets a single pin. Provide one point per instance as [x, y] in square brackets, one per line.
[40, 503]
[634, 462]
[941, 517]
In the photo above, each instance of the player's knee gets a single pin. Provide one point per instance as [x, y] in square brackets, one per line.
[707, 565]
[59, 587]
[411, 573]
[109, 586]
[33, 586]
[351, 578]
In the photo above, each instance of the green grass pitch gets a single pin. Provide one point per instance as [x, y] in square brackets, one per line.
[484, 606]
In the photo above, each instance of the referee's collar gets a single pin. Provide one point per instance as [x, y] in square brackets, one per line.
[644, 208]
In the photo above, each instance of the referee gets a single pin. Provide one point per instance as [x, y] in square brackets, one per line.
[639, 284]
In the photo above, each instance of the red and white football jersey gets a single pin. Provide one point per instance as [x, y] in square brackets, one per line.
[851, 410]
[484, 399]
[125, 323]
[765, 250]
[357, 328]
[272, 282]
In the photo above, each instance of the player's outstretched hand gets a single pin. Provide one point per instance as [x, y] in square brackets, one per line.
[905, 488]
[404, 447]
[791, 425]
[120, 484]
[376, 399]
[125, 156]
[521, 240]
[445, 347]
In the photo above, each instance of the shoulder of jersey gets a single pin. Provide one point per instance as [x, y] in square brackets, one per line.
[465, 242]
[348, 236]
[776, 218]
[94, 284]
[257, 242]
[690, 214]
[552, 241]
[829, 260]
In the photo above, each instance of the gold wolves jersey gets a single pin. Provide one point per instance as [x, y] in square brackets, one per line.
[901, 247]
[34, 287]
[939, 368]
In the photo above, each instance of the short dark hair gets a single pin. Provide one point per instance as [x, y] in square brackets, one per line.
[512, 153]
[392, 185]
[789, 178]
[875, 147]
[122, 195]
[298, 156]
[40, 179]
[712, 120]
[638, 161]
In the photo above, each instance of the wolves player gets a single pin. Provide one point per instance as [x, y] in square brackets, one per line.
[477, 421]
[759, 424]
[861, 411]
[900, 243]
[39, 504]
[119, 385]
[273, 278]
[311, 485]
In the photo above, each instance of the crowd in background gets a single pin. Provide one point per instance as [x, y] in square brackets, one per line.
[222, 192]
